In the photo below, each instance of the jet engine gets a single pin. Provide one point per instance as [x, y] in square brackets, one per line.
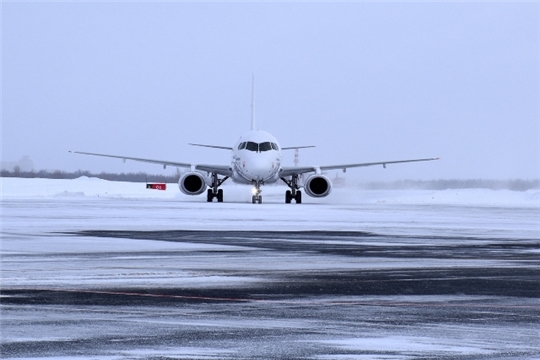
[192, 183]
[317, 186]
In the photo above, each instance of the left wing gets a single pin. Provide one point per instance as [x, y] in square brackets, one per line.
[297, 170]
[218, 169]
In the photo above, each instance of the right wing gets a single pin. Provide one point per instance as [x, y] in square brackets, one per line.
[224, 170]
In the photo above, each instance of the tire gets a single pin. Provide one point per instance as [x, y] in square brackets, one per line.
[220, 195]
[260, 199]
[298, 197]
[253, 199]
[288, 197]
[209, 195]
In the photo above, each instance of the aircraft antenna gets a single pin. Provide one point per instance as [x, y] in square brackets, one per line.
[253, 127]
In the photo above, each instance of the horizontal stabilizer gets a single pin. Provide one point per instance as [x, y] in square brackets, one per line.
[213, 146]
[297, 147]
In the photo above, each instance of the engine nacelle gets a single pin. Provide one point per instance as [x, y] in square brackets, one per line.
[317, 186]
[192, 183]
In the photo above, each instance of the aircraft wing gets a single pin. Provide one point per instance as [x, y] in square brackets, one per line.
[224, 170]
[219, 169]
[297, 170]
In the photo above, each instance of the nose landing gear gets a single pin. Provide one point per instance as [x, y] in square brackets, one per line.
[257, 197]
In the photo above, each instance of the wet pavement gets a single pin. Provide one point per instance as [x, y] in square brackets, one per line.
[268, 294]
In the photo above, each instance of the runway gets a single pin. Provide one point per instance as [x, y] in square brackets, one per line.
[164, 289]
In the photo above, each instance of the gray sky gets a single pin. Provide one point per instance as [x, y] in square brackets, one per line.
[362, 81]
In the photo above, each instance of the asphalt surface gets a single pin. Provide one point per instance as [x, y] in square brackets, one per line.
[350, 295]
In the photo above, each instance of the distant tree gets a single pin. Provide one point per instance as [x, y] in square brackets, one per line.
[57, 174]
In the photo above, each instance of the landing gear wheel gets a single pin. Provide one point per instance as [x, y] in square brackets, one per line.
[213, 191]
[220, 195]
[294, 192]
[256, 199]
[253, 199]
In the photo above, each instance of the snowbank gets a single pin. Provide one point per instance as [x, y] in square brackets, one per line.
[93, 187]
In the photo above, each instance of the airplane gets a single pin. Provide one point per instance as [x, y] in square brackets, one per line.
[256, 160]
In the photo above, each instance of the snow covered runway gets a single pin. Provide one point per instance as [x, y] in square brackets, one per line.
[94, 269]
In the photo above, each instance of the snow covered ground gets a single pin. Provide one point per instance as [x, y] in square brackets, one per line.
[102, 204]
[99, 269]
[93, 187]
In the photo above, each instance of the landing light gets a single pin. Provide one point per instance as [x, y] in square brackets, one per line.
[254, 191]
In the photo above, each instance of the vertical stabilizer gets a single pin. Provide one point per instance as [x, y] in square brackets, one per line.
[253, 126]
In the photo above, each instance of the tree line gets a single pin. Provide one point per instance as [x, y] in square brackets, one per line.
[59, 174]
[514, 185]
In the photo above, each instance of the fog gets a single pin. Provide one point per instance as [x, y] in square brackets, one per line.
[361, 81]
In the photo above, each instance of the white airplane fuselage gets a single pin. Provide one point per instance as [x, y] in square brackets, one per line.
[256, 158]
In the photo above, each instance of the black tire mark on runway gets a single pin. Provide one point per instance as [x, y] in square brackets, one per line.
[518, 282]
[324, 242]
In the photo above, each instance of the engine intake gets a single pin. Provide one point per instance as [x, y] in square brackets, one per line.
[192, 183]
[318, 186]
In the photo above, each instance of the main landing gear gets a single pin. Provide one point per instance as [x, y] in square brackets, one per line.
[214, 192]
[295, 192]
[257, 197]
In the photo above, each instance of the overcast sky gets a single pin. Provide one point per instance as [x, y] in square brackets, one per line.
[361, 81]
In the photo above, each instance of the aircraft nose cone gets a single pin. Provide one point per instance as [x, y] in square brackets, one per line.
[258, 168]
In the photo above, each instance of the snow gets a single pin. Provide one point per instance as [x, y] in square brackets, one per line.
[40, 252]
[463, 212]
[93, 187]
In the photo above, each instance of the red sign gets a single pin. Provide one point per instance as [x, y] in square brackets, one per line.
[157, 186]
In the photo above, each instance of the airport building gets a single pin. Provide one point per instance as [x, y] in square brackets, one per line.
[25, 164]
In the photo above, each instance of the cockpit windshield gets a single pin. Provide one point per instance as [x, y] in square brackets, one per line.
[265, 146]
[251, 146]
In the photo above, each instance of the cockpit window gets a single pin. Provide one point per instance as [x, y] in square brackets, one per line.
[265, 146]
[251, 146]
